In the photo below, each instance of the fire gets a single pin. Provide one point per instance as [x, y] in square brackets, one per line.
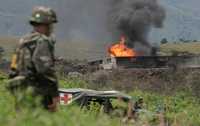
[121, 50]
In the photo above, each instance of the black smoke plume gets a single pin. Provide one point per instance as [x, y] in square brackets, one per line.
[135, 18]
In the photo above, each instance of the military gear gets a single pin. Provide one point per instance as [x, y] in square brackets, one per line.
[14, 62]
[12, 73]
[35, 54]
[43, 15]
[34, 60]
[16, 83]
[54, 16]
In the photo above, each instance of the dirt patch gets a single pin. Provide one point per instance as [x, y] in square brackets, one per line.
[164, 81]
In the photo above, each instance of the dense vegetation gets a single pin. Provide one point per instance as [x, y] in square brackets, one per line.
[181, 109]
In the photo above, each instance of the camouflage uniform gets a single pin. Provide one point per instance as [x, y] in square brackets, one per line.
[34, 63]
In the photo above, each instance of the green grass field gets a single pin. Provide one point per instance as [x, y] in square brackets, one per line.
[193, 48]
[181, 109]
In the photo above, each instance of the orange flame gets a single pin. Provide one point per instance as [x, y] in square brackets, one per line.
[121, 50]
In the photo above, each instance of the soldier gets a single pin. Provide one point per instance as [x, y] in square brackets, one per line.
[33, 61]
[1, 53]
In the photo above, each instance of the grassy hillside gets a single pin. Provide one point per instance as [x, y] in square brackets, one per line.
[9, 44]
[89, 50]
[68, 49]
[192, 47]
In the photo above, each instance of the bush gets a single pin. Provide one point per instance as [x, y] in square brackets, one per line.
[164, 41]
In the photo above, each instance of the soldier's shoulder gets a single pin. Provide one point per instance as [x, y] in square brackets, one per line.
[29, 38]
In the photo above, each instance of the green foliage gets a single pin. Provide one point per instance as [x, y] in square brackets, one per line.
[164, 41]
[73, 83]
[180, 109]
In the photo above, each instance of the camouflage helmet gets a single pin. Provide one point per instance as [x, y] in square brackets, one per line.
[43, 15]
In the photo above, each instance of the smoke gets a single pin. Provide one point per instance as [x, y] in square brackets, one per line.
[97, 23]
[136, 18]
[83, 19]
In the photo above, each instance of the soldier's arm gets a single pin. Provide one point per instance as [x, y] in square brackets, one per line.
[42, 57]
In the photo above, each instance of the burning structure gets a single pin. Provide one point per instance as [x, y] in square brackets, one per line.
[123, 56]
[121, 50]
[135, 19]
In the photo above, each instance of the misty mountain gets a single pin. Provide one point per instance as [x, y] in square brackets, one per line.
[182, 22]
[86, 19]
